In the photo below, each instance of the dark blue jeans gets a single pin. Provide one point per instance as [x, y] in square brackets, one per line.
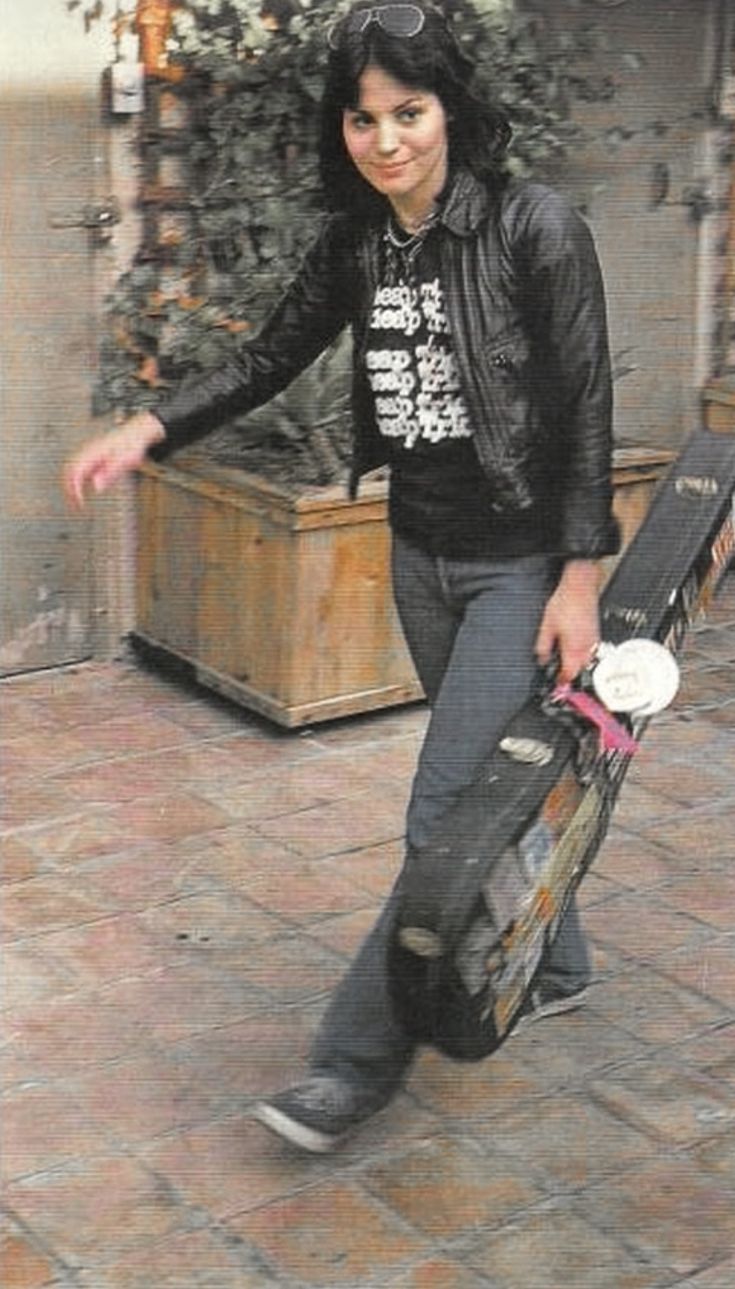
[471, 626]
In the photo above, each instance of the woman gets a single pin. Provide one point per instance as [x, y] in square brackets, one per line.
[481, 375]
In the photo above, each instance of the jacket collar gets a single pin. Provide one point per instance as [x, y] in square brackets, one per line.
[466, 203]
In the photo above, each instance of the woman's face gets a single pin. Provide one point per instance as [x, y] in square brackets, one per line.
[397, 139]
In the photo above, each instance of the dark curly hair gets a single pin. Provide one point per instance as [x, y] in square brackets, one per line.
[477, 131]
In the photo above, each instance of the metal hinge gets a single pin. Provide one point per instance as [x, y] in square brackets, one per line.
[98, 217]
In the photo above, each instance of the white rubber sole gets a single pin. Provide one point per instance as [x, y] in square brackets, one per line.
[297, 1134]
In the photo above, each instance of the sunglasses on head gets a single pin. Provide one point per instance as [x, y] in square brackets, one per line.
[402, 20]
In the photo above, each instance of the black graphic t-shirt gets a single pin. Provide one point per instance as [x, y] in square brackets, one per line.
[440, 497]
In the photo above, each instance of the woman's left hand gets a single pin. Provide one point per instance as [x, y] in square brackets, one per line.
[570, 627]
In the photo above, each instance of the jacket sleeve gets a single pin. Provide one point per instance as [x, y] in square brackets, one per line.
[310, 315]
[567, 303]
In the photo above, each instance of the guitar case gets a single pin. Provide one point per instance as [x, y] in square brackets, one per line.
[479, 907]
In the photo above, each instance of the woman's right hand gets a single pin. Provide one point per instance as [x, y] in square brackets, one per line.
[101, 461]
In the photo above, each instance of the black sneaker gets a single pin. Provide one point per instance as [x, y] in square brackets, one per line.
[546, 999]
[318, 1114]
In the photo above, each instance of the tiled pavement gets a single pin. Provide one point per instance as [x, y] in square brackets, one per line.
[183, 885]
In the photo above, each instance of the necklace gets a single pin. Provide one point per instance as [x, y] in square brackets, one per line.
[402, 247]
[402, 238]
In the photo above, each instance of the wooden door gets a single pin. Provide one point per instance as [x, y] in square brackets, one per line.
[53, 168]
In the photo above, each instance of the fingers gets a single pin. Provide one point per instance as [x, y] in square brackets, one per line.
[545, 641]
[73, 485]
[571, 663]
[93, 467]
[80, 474]
[102, 461]
[574, 652]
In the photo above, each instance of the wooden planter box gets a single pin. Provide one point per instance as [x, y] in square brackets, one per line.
[281, 600]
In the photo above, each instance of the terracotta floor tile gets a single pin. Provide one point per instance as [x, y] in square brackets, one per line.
[293, 969]
[47, 904]
[346, 932]
[721, 715]
[125, 777]
[125, 734]
[691, 784]
[196, 1260]
[716, 1157]
[205, 925]
[437, 1273]
[140, 878]
[20, 711]
[222, 760]
[107, 950]
[374, 868]
[707, 684]
[207, 716]
[79, 837]
[99, 1207]
[646, 1004]
[229, 1167]
[711, 1052]
[169, 817]
[17, 860]
[478, 1090]
[392, 762]
[306, 893]
[638, 927]
[21, 1265]
[29, 974]
[670, 1211]
[40, 752]
[138, 1098]
[708, 969]
[255, 1056]
[113, 781]
[720, 1276]
[233, 856]
[43, 1127]
[255, 755]
[177, 1002]
[59, 1036]
[568, 1049]
[312, 782]
[375, 729]
[632, 862]
[676, 735]
[34, 801]
[595, 890]
[361, 821]
[703, 834]
[709, 897]
[682, 1107]
[566, 1140]
[553, 1247]
[637, 807]
[330, 1235]
[446, 1191]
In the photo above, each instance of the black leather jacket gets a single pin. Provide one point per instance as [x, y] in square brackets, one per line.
[525, 303]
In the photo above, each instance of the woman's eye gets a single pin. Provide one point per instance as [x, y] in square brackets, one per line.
[359, 121]
[409, 114]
